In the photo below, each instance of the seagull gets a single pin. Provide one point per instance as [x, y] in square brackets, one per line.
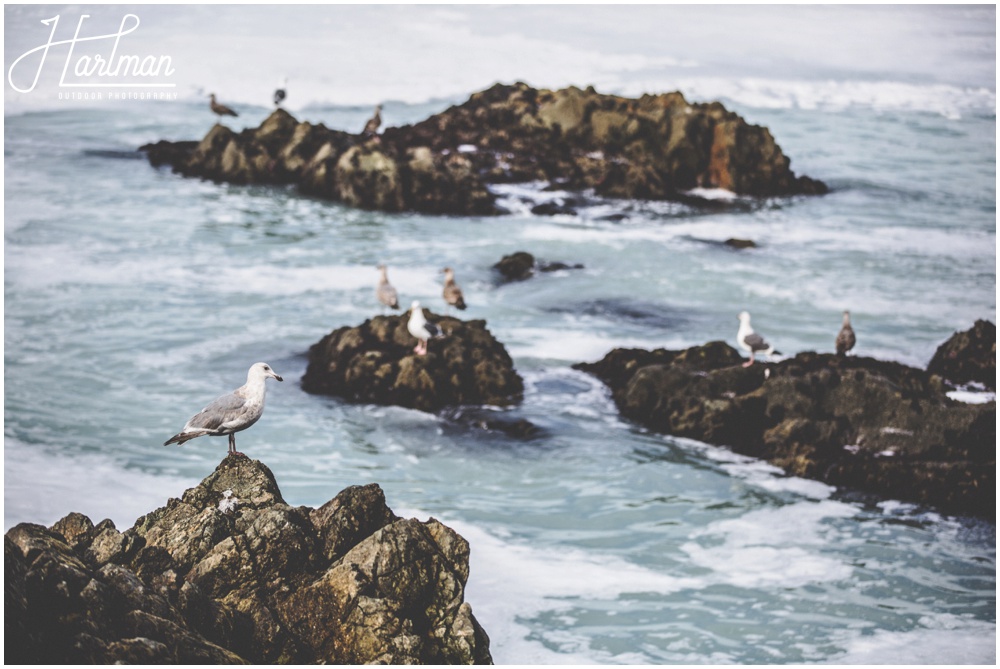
[846, 338]
[452, 293]
[230, 413]
[750, 340]
[280, 94]
[219, 109]
[372, 126]
[421, 329]
[385, 292]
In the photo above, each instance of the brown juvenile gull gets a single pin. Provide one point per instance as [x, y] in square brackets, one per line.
[421, 329]
[452, 293]
[372, 126]
[218, 109]
[385, 292]
[750, 340]
[846, 338]
[230, 413]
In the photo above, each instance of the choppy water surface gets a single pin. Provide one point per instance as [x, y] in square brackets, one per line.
[133, 296]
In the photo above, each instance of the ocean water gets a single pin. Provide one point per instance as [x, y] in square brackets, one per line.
[134, 296]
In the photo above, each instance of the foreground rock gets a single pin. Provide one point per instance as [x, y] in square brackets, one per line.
[653, 147]
[230, 573]
[374, 362]
[864, 424]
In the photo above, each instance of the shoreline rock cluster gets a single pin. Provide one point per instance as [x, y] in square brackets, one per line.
[231, 574]
[858, 423]
[654, 147]
[375, 363]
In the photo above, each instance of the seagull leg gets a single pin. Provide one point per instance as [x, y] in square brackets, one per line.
[750, 361]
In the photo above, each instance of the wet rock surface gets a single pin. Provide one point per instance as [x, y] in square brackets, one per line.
[375, 363]
[653, 147]
[863, 424]
[969, 356]
[230, 573]
[522, 265]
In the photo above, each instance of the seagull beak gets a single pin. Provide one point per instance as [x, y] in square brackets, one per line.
[275, 376]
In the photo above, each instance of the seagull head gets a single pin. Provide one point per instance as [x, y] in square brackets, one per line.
[263, 370]
[744, 317]
[415, 306]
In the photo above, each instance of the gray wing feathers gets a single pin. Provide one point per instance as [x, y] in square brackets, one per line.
[755, 342]
[221, 413]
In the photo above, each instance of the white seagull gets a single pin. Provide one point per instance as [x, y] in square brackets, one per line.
[230, 413]
[421, 329]
[751, 341]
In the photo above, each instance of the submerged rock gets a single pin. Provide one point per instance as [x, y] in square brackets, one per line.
[865, 424]
[374, 362]
[969, 356]
[653, 147]
[521, 265]
[231, 574]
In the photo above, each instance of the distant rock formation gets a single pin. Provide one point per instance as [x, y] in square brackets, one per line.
[231, 574]
[864, 424]
[374, 362]
[521, 265]
[654, 147]
[969, 356]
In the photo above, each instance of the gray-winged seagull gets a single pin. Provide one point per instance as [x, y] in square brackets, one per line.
[751, 341]
[230, 413]
[385, 292]
[846, 338]
[218, 109]
[452, 293]
[421, 329]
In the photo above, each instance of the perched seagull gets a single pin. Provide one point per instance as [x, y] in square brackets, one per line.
[750, 340]
[846, 338]
[280, 94]
[220, 110]
[230, 413]
[372, 126]
[385, 292]
[452, 293]
[421, 329]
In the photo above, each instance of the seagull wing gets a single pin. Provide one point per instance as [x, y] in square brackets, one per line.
[432, 329]
[225, 412]
[387, 295]
[755, 342]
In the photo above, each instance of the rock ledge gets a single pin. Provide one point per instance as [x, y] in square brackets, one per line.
[230, 574]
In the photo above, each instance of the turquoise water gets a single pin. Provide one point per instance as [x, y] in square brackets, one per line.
[134, 296]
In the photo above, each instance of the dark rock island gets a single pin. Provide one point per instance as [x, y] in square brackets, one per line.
[230, 573]
[858, 423]
[652, 147]
[375, 363]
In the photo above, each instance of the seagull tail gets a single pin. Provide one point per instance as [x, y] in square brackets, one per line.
[179, 439]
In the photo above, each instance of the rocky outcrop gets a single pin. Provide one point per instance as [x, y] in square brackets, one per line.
[521, 265]
[230, 573]
[375, 363]
[653, 147]
[969, 356]
[860, 423]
